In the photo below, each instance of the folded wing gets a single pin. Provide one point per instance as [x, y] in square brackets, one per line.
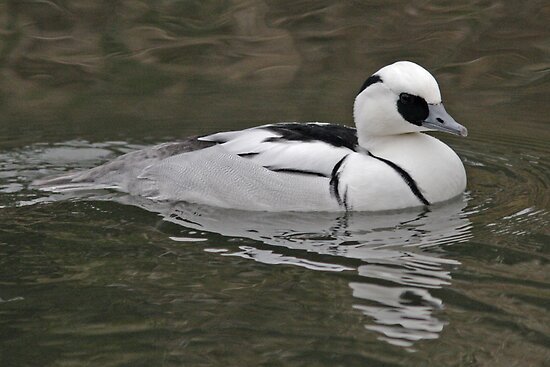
[312, 148]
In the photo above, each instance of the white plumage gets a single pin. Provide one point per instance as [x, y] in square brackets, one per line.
[386, 163]
[279, 154]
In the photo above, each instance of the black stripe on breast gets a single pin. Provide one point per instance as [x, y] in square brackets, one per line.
[335, 183]
[335, 135]
[406, 177]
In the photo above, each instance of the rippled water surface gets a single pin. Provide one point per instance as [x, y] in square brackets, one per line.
[109, 280]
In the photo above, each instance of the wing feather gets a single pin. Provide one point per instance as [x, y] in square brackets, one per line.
[311, 148]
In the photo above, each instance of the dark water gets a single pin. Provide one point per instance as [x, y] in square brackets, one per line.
[110, 281]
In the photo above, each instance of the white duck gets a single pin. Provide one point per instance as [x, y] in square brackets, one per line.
[386, 163]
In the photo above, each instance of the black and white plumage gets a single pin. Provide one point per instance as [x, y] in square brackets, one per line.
[387, 162]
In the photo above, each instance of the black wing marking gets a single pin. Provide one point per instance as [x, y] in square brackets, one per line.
[335, 135]
[296, 171]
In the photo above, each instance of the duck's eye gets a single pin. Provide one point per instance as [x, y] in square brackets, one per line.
[405, 98]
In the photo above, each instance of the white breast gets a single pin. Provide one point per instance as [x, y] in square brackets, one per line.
[436, 168]
[368, 184]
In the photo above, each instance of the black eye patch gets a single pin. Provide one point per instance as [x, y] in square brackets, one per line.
[414, 109]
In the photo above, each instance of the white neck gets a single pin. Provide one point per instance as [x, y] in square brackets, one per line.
[381, 143]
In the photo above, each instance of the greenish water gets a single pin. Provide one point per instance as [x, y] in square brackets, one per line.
[113, 281]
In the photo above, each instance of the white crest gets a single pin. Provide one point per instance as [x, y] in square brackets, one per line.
[408, 77]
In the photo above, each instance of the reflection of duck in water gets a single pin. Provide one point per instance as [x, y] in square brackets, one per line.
[387, 163]
[397, 256]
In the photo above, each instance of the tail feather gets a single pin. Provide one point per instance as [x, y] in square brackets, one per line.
[69, 182]
[122, 173]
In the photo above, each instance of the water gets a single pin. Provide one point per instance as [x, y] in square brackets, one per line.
[111, 281]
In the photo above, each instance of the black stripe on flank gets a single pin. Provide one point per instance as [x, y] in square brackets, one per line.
[248, 155]
[370, 80]
[406, 177]
[295, 171]
[335, 183]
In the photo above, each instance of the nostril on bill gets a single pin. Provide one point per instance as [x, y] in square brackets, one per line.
[440, 120]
